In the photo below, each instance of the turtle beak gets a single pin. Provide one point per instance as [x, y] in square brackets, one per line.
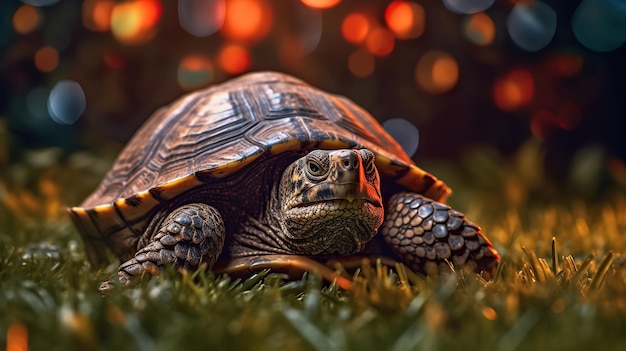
[350, 181]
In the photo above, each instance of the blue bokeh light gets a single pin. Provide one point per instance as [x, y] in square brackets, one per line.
[467, 6]
[66, 102]
[532, 25]
[600, 25]
[405, 133]
[40, 2]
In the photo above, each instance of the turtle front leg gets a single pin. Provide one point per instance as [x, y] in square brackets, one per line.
[430, 236]
[190, 235]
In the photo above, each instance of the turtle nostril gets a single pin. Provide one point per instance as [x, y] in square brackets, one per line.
[347, 160]
[350, 163]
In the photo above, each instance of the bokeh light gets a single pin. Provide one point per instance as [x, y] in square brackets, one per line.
[134, 22]
[566, 64]
[541, 123]
[17, 337]
[355, 27]
[600, 25]
[46, 59]
[380, 42]
[406, 19]
[361, 63]
[479, 29]
[40, 2]
[114, 60]
[247, 20]
[514, 90]
[569, 116]
[405, 133]
[26, 19]
[531, 25]
[234, 58]
[436, 72]
[66, 102]
[201, 18]
[467, 6]
[97, 14]
[195, 71]
[321, 4]
[304, 37]
[308, 30]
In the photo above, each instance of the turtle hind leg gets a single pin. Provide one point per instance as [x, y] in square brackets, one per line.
[190, 235]
[429, 236]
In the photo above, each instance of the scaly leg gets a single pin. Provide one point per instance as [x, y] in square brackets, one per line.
[190, 235]
[429, 236]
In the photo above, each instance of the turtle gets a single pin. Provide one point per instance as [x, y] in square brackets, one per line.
[267, 171]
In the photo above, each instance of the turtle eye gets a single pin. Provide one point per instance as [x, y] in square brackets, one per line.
[316, 165]
[314, 169]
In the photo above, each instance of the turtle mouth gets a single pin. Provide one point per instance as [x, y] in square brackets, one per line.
[338, 195]
[339, 204]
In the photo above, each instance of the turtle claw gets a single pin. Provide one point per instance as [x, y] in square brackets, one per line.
[190, 235]
[125, 273]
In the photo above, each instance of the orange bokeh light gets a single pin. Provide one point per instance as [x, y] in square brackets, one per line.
[406, 19]
[247, 20]
[194, 71]
[26, 19]
[355, 27]
[17, 338]
[135, 22]
[514, 90]
[380, 42]
[437, 72]
[97, 14]
[566, 65]
[361, 63]
[195, 62]
[46, 59]
[480, 29]
[114, 60]
[234, 58]
[321, 4]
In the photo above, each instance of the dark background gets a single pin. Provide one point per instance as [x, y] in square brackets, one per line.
[124, 83]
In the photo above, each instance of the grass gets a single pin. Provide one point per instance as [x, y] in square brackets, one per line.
[562, 294]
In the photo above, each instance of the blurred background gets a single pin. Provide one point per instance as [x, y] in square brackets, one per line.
[480, 79]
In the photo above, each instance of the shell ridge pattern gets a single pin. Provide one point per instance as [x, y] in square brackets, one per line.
[134, 169]
[211, 134]
[218, 123]
[290, 103]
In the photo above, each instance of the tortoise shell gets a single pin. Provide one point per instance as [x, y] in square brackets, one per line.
[210, 134]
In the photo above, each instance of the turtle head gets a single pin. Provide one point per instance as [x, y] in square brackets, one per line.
[330, 202]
